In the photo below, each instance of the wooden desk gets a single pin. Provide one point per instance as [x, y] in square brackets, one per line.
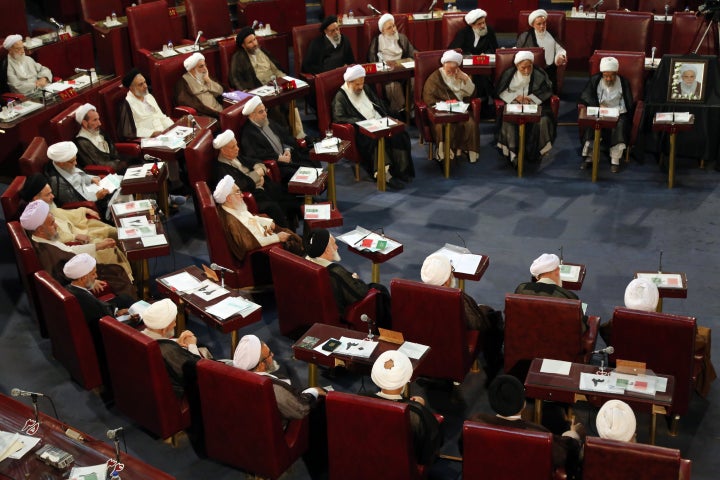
[380, 135]
[150, 184]
[565, 389]
[573, 284]
[335, 220]
[86, 452]
[113, 47]
[325, 332]
[331, 159]
[672, 129]
[447, 119]
[597, 123]
[377, 258]
[479, 272]
[521, 119]
[309, 189]
[665, 290]
[197, 306]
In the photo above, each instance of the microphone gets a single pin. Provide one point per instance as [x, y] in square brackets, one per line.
[434, 2]
[667, 9]
[365, 318]
[373, 9]
[661, 252]
[197, 39]
[652, 55]
[59, 25]
[112, 434]
[86, 71]
[254, 24]
[598, 4]
[561, 254]
[274, 81]
[609, 350]
[215, 266]
[150, 158]
[16, 392]
[370, 323]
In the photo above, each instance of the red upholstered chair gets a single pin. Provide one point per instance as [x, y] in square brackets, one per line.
[632, 461]
[302, 36]
[27, 264]
[606, 6]
[199, 158]
[226, 49]
[413, 6]
[435, 316]
[451, 24]
[632, 68]
[97, 10]
[657, 7]
[255, 267]
[164, 74]
[355, 423]
[111, 98]
[370, 30]
[10, 199]
[546, 327]
[490, 452]
[234, 400]
[140, 381]
[628, 31]
[326, 86]
[212, 17]
[296, 280]
[13, 19]
[360, 7]
[687, 30]
[504, 59]
[664, 342]
[72, 343]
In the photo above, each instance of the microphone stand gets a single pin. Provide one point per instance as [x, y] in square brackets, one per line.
[34, 398]
[117, 447]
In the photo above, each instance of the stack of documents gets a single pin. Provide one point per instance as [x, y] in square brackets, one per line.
[142, 171]
[306, 174]
[452, 106]
[132, 207]
[231, 306]
[135, 227]
[369, 241]
[460, 258]
[377, 124]
[15, 445]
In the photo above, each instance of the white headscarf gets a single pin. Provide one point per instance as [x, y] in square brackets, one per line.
[62, 152]
[223, 189]
[642, 294]
[616, 421]
[192, 61]
[474, 15]
[82, 111]
[160, 314]
[223, 139]
[251, 105]
[353, 73]
[436, 269]
[547, 262]
[11, 40]
[34, 215]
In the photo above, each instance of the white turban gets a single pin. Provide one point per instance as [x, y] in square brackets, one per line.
[523, 55]
[11, 40]
[82, 111]
[62, 152]
[451, 56]
[535, 14]
[34, 215]
[391, 370]
[547, 262]
[436, 269]
[79, 266]
[616, 421]
[223, 139]
[474, 15]
[192, 61]
[251, 105]
[160, 314]
[223, 189]
[247, 353]
[384, 19]
[609, 64]
[642, 294]
[686, 67]
[353, 73]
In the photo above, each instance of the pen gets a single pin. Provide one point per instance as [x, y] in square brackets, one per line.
[363, 238]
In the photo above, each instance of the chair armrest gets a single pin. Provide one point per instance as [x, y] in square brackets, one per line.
[685, 468]
[302, 143]
[273, 170]
[13, 96]
[581, 107]
[99, 170]
[637, 118]
[130, 149]
[308, 77]
[476, 105]
[86, 204]
[345, 131]
[499, 106]
[182, 110]
[367, 305]
[589, 337]
[555, 105]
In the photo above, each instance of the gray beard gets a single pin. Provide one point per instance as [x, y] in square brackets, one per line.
[263, 123]
[480, 32]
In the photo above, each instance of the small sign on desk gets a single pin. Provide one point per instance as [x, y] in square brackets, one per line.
[320, 211]
[664, 280]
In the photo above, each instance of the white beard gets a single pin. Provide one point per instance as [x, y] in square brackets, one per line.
[480, 32]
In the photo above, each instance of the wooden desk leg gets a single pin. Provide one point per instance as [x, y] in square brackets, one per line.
[234, 338]
[331, 185]
[659, 305]
[653, 426]
[446, 151]
[381, 164]
[164, 200]
[671, 162]
[521, 149]
[312, 375]
[408, 105]
[538, 411]
[375, 275]
[291, 118]
[308, 199]
[596, 155]
[181, 319]
[141, 273]
[461, 284]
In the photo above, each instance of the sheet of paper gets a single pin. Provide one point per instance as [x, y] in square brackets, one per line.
[408, 65]
[665, 280]
[569, 273]
[460, 107]
[28, 443]
[364, 239]
[9, 444]
[110, 182]
[134, 172]
[677, 117]
[132, 207]
[377, 124]
[154, 240]
[209, 290]
[306, 175]
[227, 307]
[599, 383]
[298, 82]
[317, 212]
[355, 347]
[263, 91]
[125, 233]
[460, 258]
[167, 53]
[521, 108]
[182, 282]
[139, 221]
[94, 472]
[413, 350]
[609, 112]
[187, 48]
[56, 87]
[557, 367]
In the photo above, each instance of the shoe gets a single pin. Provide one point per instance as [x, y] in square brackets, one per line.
[177, 200]
[614, 168]
[585, 165]
[395, 184]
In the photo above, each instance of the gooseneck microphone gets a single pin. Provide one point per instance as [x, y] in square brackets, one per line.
[114, 435]
[150, 158]
[432, 5]
[197, 39]
[609, 350]
[16, 392]
[215, 266]
[373, 9]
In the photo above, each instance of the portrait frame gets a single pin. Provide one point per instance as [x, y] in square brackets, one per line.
[680, 89]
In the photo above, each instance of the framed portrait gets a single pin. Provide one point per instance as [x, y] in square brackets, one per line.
[687, 80]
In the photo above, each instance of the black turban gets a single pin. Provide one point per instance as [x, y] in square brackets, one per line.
[33, 185]
[129, 77]
[329, 20]
[317, 242]
[506, 395]
[243, 34]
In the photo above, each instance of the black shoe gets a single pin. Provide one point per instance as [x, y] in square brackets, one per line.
[614, 168]
[395, 184]
[585, 165]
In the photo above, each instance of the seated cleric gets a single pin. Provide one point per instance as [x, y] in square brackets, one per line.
[330, 50]
[94, 146]
[24, 74]
[140, 114]
[196, 89]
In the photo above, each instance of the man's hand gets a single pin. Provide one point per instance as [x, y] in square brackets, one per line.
[418, 399]
[187, 338]
[102, 193]
[105, 243]
[82, 238]
[95, 180]
[260, 182]
[260, 169]
[89, 212]
[560, 60]
[285, 157]
[121, 312]
[41, 82]
[321, 391]
[283, 236]
[98, 286]
[355, 275]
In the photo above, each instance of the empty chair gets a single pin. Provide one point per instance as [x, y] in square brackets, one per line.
[687, 35]
[296, 280]
[10, 199]
[628, 31]
[212, 17]
[111, 97]
[234, 401]
[435, 316]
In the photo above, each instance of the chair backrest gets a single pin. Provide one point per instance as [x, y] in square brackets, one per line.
[665, 342]
[34, 158]
[13, 20]
[212, 17]
[657, 7]
[234, 400]
[451, 24]
[96, 10]
[10, 199]
[629, 31]
[631, 68]
[629, 460]
[555, 23]
[326, 86]
[505, 58]
[413, 6]
[232, 118]
[687, 31]
[425, 64]
[607, 5]
[360, 7]
[370, 30]
[199, 158]
[149, 28]
[490, 452]
[27, 264]
[355, 424]
[164, 74]
[434, 316]
[302, 36]
[226, 50]
[542, 327]
[72, 344]
[140, 381]
[111, 98]
[297, 279]
[63, 125]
